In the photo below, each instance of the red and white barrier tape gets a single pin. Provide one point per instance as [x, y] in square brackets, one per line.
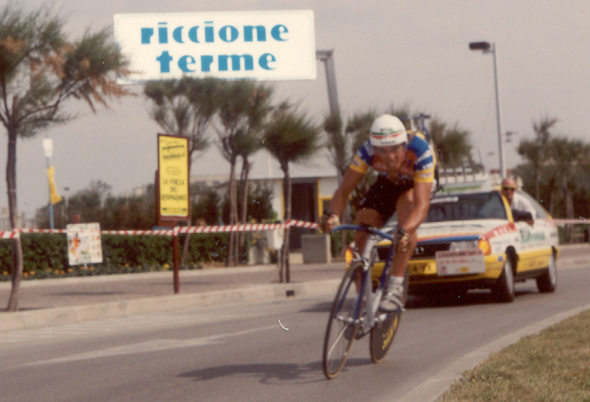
[253, 227]
[139, 232]
[28, 230]
[9, 234]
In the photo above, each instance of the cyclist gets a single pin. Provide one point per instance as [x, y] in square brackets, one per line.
[404, 183]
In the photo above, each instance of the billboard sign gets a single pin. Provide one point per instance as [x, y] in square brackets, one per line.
[260, 45]
[173, 182]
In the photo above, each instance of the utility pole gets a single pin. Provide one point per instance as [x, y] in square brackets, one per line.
[326, 57]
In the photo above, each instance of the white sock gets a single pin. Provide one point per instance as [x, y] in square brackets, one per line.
[396, 281]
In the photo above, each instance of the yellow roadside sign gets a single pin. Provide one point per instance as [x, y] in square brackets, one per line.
[173, 165]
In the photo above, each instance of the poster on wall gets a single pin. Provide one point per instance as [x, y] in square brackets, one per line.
[84, 245]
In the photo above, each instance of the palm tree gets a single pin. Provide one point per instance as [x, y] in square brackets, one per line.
[244, 106]
[451, 145]
[185, 108]
[39, 72]
[568, 160]
[536, 151]
[291, 138]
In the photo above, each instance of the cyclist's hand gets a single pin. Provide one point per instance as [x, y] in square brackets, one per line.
[402, 239]
[328, 221]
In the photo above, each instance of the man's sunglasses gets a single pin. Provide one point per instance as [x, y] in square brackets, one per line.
[508, 188]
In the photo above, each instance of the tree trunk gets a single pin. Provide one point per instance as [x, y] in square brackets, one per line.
[244, 207]
[17, 252]
[187, 238]
[231, 258]
[285, 252]
[537, 184]
[569, 211]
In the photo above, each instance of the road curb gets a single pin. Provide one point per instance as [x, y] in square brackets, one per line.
[140, 275]
[30, 319]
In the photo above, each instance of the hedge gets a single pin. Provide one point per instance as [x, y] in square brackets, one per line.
[45, 255]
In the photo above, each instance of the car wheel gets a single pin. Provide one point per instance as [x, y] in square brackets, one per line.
[504, 289]
[547, 282]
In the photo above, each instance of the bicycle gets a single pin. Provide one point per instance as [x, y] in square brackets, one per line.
[355, 315]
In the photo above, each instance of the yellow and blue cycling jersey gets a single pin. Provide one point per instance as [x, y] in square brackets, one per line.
[419, 163]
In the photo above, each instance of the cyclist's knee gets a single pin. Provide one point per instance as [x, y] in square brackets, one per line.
[370, 217]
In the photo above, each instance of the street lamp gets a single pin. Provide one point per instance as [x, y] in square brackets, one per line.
[487, 47]
[326, 57]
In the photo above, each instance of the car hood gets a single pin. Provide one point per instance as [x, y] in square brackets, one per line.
[474, 228]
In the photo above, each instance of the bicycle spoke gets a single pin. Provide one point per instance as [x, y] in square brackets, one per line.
[342, 326]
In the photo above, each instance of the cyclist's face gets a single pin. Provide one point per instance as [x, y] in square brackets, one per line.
[392, 156]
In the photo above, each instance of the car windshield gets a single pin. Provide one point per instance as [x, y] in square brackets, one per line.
[469, 206]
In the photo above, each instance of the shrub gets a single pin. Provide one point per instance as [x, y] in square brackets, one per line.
[45, 255]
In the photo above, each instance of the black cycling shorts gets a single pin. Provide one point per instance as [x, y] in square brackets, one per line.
[384, 194]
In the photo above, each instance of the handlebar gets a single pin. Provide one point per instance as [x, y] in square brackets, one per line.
[367, 229]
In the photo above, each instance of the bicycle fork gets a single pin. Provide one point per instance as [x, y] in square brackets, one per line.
[370, 317]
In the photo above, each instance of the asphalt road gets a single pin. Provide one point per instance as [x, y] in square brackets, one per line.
[242, 353]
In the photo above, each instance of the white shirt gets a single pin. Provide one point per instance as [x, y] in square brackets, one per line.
[520, 203]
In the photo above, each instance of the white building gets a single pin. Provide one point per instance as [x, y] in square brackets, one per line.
[313, 184]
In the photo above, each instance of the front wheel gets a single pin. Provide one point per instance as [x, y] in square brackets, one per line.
[342, 326]
[504, 288]
[547, 282]
[383, 333]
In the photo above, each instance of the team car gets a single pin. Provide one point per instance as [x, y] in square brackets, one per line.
[472, 240]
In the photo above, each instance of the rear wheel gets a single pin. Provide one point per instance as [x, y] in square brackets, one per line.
[504, 288]
[547, 282]
[342, 327]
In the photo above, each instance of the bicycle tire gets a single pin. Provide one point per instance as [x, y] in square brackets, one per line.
[382, 334]
[340, 333]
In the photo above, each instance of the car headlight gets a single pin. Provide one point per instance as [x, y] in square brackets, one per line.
[463, 245]
[484, 245]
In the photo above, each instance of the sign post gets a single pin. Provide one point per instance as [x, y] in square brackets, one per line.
[173, 188]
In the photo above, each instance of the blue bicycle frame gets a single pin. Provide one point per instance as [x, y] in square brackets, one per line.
[367, 258]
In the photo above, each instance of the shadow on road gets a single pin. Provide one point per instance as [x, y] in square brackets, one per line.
[267, 373]
[471, 298]
[273, 372]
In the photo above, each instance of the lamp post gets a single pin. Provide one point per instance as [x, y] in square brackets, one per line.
[65, 214]
[326, 57]
[487, 47]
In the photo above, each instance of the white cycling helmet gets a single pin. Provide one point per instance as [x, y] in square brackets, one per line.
[388, 130]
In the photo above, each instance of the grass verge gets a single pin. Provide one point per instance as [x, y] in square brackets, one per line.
[551, 366]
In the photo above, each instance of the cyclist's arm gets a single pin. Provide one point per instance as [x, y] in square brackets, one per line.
[340, 198]
[421, 205]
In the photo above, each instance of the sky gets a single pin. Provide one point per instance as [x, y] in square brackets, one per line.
[395, 52]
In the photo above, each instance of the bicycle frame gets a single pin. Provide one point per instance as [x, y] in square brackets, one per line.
[371, 298]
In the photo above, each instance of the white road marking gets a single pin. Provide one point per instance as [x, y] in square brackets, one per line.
[155, 345]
